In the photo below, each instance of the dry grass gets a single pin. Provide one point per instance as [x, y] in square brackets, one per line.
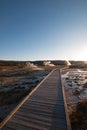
[12, 96]
[79, 117]
[8, 80]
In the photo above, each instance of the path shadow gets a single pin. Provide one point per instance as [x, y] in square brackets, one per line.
[59, 116]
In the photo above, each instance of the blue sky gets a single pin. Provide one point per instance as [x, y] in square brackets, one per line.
[43, 29]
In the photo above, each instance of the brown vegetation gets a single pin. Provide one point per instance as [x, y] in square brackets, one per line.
[79, 117]
[12, 96]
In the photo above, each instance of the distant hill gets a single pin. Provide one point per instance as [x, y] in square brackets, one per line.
[39, 63]
[55, 62]
[78, 64]
[11, 63]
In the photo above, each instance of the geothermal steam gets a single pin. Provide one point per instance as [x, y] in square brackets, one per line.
[68, 63]
[48, 63]
[33, 66]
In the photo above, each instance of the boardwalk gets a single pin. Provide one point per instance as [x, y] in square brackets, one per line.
[43, 110]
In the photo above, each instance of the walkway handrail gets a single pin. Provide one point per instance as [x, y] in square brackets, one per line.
[66, 109]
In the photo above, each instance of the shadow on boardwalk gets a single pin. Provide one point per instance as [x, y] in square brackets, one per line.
[59, 117]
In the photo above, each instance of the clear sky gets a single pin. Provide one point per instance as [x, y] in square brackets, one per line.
[43, 29]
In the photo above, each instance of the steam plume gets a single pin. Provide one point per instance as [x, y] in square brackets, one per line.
[33, 66]
[68, 63]
[48, 63]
